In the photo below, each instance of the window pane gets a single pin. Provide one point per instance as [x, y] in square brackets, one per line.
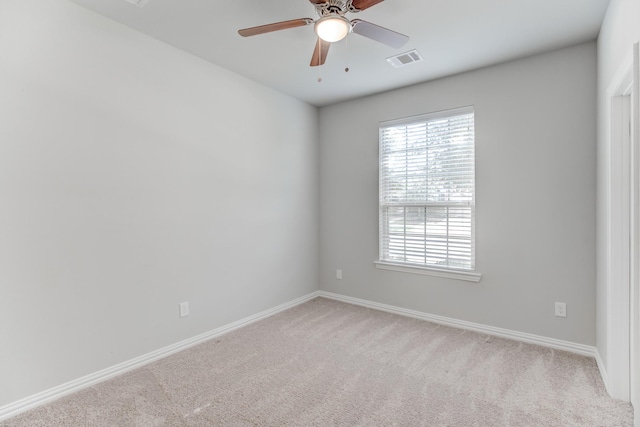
[427, 190]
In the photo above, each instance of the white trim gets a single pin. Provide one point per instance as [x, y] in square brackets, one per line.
[430, 271]
[585, 350]
[15, 408]
[618, 232]
[603, 370]
[634, 308]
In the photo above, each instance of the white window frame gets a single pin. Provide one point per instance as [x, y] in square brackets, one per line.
[388, 262]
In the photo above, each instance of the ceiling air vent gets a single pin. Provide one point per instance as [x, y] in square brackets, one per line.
[405, 59]
[138, 3]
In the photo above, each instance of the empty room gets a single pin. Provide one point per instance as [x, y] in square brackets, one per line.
[319, 213]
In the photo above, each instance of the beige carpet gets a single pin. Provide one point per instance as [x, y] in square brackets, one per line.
[326, 363]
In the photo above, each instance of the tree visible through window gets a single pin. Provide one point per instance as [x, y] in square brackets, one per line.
[427, 190]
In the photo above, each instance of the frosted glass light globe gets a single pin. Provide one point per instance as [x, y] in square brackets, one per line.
[332, 28]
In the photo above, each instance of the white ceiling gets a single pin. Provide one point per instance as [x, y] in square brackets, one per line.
[453, 36]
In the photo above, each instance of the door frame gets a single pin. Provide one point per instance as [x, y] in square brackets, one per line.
[634, 300]
[623, 231]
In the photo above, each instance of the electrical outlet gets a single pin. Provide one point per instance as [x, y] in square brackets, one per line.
[339, 274]
[184, 309]
[561, 309]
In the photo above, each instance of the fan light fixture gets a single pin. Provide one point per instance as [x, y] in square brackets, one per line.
[332, 28]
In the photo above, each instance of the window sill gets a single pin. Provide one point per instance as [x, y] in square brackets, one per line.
[430, 271]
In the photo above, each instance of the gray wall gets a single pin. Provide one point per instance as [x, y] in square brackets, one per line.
[133, 177]
[535, 182]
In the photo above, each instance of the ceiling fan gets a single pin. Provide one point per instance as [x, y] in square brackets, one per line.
[333, 26]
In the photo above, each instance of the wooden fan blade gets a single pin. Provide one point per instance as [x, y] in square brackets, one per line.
[317, 1]
[378, 33]
[364, 4]
[320, 53]
[277, 26]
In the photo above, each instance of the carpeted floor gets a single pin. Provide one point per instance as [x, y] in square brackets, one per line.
[326, 363]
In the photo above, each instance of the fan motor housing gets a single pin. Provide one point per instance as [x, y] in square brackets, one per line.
[332, 7]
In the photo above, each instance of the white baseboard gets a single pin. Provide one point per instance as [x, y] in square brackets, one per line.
[57, 392]
[572, 347]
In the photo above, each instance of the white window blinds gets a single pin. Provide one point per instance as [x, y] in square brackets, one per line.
[427, 190]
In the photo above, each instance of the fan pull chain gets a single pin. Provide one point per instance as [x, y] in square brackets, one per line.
[346, 69]
[320, 65]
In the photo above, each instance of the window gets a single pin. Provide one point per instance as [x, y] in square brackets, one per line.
[427, 191]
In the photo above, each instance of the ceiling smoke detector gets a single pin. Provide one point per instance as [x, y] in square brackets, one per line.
[139, 3]
[405, 59]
